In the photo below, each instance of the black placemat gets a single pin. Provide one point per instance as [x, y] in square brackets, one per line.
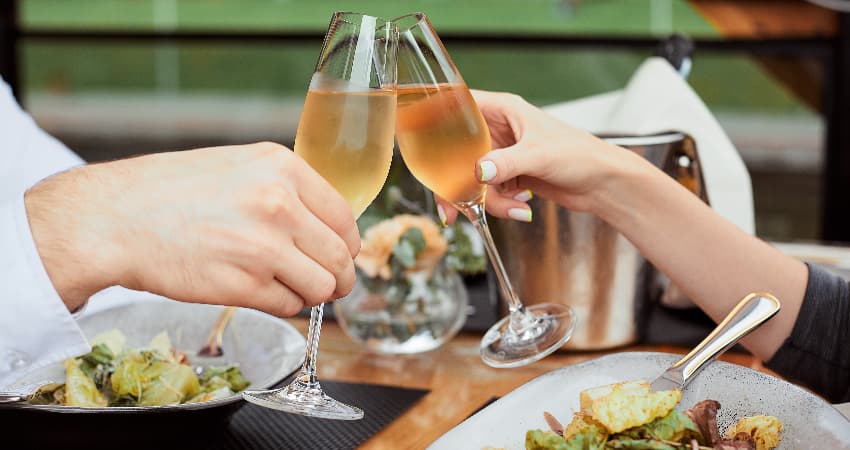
[238, 426]
[254, 427]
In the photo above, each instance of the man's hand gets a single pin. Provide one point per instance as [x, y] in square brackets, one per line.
[249, 225]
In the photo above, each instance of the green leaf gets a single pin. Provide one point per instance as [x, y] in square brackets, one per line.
[403, 253]
[544, 440]
[676, 426]
[590, 438]
[586, 441]
[415, 237]
[98, 364]
[99, 354]
[214, 378]
[409, 245]
[582, 433]
[640, 444]
[463, 255]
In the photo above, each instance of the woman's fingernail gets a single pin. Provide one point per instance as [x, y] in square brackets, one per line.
[442, 213]
[521, 214]
[488, 170]
[524, 196]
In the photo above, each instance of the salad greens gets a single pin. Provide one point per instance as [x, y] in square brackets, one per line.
[630, 415]
[111, 375]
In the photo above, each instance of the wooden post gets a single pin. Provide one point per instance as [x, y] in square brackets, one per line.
[836, 207]
[9, 44]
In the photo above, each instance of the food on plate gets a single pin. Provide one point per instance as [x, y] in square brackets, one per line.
[80, 390]
[112, 374]
[630, 415]
[764, 430]
[625, 405]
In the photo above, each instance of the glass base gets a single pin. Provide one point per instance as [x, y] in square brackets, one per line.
[534, 334]
[304, 398]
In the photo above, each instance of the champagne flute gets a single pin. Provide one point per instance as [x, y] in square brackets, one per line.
[441, 135]
[346, 134]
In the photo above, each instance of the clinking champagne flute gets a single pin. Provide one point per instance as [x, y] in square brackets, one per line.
[346, 134]
[441, 135]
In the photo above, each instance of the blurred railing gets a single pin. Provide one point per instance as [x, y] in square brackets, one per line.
[832, 52]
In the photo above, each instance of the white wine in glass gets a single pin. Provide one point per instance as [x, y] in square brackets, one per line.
[346, 138]
[442, 135]
[346, 135]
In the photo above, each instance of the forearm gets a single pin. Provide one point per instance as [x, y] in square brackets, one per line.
[70, 227]
[714, 262]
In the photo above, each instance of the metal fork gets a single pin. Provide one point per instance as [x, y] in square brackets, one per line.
[213, 345]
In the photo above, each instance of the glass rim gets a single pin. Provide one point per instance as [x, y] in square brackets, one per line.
[420, 19]
[344, 14]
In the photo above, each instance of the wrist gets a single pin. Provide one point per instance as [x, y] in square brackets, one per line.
[72, 234]
[626, 184]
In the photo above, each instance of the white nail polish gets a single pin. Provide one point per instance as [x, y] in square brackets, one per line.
[520, 214]
[488, 170]
[442, 213]
[524, 196]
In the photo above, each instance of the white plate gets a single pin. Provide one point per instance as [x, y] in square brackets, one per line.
[266, 348]
[809, 421]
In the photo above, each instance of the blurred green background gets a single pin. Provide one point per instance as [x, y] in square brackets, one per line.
[542, 75]
[602, 17]
[108, 99]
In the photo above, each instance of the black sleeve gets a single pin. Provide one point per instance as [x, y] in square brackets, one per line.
[817, 354]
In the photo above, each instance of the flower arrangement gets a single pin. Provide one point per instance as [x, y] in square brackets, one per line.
[411, 255]
[412, 297]
[401, 245]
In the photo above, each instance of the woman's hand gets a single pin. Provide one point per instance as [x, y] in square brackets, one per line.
[710, 259]
[536, 153]
[249, 225]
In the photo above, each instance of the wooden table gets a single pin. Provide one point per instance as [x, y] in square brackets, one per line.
[459, 382]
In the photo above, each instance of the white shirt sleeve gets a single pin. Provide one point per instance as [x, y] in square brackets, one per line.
[27, 153]
[36, 328]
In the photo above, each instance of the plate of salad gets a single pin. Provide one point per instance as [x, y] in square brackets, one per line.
[143, 360]
[605, 403]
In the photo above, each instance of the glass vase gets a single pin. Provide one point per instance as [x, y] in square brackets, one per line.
[414, 311]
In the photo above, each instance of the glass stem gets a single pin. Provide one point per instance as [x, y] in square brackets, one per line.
[475, 213]
[308, 370]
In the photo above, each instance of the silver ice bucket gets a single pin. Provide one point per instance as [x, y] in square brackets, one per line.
[579, 260]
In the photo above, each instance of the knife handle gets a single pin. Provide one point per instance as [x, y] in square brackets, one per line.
[752, 311]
